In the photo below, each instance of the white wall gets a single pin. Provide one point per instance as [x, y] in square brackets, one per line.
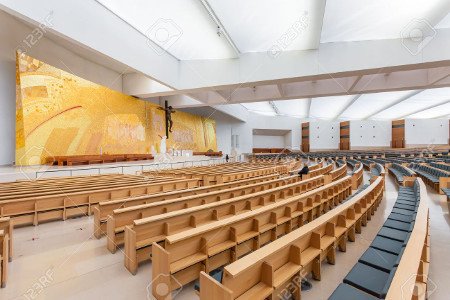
[269, 141]
[426, 132]
[11, 37]
[225, 127]
[370, 133]
[324, 135]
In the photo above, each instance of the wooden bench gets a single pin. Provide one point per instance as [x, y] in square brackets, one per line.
[56, 189]
[318, 171]
[7, 226]
[279, 267]
[338, 173]
[411, 278]
[120, 218]
[4, 257]
[227, 175]
[434, 177]
[372, 275]
[208, 153]
[34, 210]
[104, 209]
[139, 238]
[357, 176]
[209, 247]
[55, 182]
[400, 172]
[69, 160]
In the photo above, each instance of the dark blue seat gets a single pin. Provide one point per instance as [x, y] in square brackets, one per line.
[406, 207]
[393, 234]
[347, 292]
[387, 245]
[401, 218]
[407, 202]
[402, 211]
[380, 260]
[408, 227]
[216, 274]
[370, 280]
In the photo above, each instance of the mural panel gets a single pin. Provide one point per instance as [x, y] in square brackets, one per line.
[58, 113]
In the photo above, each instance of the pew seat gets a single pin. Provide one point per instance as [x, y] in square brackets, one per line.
[345, 291]
[379, 259]
[259, 291]
[387, 245]
[370, 280]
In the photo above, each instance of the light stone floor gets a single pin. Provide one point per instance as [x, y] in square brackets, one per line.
[62, 260]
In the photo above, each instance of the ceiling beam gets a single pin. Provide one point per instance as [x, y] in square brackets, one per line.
[425, 108]
[308, 111]
[346, 107]
[355, 83]
[221, 29]
[281, 90]
[393, 103]
[274, 107]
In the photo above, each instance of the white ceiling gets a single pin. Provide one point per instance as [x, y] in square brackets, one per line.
[433, 103]
[180, 27]
[359, 20]
[258, 26]
[211, 30]
[188, 29]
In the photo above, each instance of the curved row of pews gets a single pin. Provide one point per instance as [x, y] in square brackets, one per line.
[237, 230]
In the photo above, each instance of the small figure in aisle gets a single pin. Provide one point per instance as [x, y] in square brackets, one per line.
[303, 171]
[227, 158]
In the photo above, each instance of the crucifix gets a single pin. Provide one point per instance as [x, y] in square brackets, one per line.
[168, 116]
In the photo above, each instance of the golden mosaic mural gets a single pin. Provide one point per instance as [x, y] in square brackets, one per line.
[58, 113]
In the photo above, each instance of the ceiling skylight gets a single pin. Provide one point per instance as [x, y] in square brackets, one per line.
[294, 108]
[181, 27]
[358, 20]
[259, 26]
[263, 108]
[415, 104]
[329, 107]
[368, 104]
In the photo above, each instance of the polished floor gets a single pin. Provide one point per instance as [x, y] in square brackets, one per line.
[63, 260]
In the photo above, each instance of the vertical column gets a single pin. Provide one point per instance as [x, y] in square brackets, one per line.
[344, 135]
[398, 134]
[305, 137]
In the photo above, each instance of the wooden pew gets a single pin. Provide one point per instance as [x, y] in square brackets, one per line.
[411, 277]
[33, 210]
[106, 208]
[69, 160]
[357, 176]
[279, 267]
[4, 257]
[320, 171]
[32, 188]
[338, 173]
[7, 226]
[211, 246]
[227, 175]
[120, 218]
[139, 238]
[206, 153]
